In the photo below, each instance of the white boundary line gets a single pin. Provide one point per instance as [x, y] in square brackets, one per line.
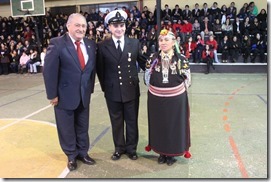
[66, 170]
[18, 120]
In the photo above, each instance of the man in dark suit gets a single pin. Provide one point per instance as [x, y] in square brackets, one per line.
[69, 74]
[118, 76]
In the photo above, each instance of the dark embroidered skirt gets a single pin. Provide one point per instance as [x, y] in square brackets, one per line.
[169, 128]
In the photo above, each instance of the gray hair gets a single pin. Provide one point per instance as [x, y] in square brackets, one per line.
[71, 17]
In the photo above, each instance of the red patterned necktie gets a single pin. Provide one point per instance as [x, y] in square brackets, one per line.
[80, 55]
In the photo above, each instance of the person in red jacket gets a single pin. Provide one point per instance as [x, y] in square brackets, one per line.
[213, 45]
[190, 46]
[186, 29]
[208, 57]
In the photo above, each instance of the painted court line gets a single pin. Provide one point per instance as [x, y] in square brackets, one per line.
[262, 99]
[21, 98]
[238, 158]
[21, 119]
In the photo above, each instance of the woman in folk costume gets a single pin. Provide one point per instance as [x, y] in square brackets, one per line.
[168, 107]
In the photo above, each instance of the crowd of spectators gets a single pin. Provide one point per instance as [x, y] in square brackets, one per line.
[226, 31]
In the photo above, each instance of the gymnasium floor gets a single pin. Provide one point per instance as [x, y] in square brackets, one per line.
[229, 132]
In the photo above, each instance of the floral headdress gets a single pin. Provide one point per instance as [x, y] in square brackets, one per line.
[170, 34]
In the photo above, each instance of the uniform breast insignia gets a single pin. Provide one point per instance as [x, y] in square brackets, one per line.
[129, 56]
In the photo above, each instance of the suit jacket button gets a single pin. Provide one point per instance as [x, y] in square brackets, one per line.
[119, 66]
[120, 83]
[119, 72]
[120, 77]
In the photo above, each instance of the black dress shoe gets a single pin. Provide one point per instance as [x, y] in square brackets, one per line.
[116, 156]
[87, 160]
[72, 165]
[170, 160]
[162, 159]
[132, 156]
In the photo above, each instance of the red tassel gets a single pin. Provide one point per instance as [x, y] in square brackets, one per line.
[148, 148]
[187, 154]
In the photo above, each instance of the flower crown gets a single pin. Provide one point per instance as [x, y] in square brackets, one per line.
[166, 32]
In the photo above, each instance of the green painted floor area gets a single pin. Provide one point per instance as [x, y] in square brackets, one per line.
[228, 129]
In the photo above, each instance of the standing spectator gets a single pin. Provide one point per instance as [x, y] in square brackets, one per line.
[118, 75]
[208, 58]
[69, 76]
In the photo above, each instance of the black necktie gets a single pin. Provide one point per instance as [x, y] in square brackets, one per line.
[119, 49]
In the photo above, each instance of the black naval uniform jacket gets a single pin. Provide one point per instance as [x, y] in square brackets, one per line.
[118, 76]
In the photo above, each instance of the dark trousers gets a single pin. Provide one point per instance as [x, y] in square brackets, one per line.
[72, 128]
[209, 62]
[124, 112]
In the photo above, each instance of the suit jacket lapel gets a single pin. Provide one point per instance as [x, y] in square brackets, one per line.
[71, 49]
[90, 52]
[112, 48]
